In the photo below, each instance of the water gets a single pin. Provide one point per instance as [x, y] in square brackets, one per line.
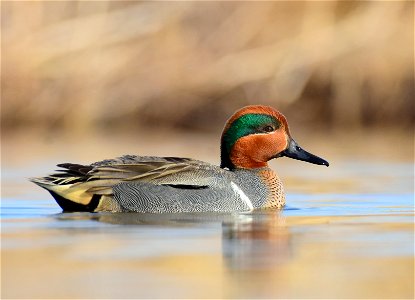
[347, 232]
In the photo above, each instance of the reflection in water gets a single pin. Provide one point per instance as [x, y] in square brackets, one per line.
[174, 219]
[250, 241]
[256, 241]
[245, 255]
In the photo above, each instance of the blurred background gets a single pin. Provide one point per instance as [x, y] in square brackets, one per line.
[88, 80]
[95, 66]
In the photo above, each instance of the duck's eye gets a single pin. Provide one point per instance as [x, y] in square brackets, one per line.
[268, 128]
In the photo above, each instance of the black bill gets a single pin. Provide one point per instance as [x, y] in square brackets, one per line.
[296, 152]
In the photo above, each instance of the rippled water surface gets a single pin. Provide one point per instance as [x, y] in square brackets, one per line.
[347, 232]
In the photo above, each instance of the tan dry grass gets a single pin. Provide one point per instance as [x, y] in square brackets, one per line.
[81, 65]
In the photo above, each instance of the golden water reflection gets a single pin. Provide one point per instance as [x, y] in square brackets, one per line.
[250, 255]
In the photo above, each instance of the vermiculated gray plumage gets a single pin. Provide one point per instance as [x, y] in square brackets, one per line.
[153, 184]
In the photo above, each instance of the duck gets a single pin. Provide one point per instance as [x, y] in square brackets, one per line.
[243, 181]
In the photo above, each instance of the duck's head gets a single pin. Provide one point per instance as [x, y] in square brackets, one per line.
[256, 134]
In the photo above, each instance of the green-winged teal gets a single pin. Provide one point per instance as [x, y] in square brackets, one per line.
[251, 137]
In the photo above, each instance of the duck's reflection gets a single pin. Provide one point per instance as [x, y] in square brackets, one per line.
[250, 241]
[174, 219]
[256, 241]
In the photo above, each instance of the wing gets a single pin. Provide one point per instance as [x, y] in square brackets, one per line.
[81, 183]
[157, 170]
[162, 185]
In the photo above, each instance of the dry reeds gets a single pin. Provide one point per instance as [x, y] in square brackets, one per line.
[76, 65]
